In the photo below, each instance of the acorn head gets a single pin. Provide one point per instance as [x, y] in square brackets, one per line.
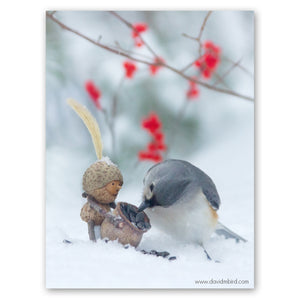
[99, 174]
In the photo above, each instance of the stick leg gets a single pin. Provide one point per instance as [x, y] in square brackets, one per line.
[208, 256]
[91, 230]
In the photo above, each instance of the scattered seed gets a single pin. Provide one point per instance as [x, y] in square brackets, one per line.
[67, 242]
[147, 225]
[163, 254]
[137, 219]
[132, 217]
[140, 217]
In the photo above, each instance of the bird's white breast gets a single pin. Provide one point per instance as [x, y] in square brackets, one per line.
[189, 220]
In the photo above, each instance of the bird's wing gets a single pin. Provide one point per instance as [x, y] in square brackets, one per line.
[211, 195]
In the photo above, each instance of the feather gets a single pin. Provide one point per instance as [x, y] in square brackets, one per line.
[91, 124]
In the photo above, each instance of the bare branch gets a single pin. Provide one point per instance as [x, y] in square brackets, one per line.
[128, 24]
[239, 66]
[118, 52]
[52, 12]
[197, 39]
[203, 26]
[190, 37]
[163, 64]
[221, 78]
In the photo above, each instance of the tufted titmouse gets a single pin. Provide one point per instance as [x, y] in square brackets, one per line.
[183, 201]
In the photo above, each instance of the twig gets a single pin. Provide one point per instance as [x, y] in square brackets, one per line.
[221, 78]
[202, 29]
[118, 52]
[197, 39]
[239, 66]
[130, 52]
[128, 24]
[116, 221]
[52, 12]
[190, 37]
[91, 230]
[163, 64]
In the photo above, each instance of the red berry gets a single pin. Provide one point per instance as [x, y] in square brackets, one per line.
[93, 92]
[154, 148]
[155, 68]
[130, 69]
[152, 123]
[211, 61]
[211, 47]
[139, 28]
[206, 73]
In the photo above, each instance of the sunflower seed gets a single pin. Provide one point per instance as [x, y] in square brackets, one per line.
[140, 217]
[163, 254]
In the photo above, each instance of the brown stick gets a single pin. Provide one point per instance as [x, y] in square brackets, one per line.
[116, 221]
[91, 230]
[202, 29]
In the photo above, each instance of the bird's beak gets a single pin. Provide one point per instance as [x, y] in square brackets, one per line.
[144, 205]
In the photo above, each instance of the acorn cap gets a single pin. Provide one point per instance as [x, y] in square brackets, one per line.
[99, 174]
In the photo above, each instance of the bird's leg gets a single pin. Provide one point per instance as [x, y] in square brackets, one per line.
[208, 256]
[91, 230]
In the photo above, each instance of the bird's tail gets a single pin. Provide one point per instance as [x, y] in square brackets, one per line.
[223, 230]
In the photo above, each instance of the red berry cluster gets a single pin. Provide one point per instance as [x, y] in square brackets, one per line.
[193, 91]
[94, 93]
[156, 146]
[138, 28]
[209, 61]
[130, 68]
[154, 68]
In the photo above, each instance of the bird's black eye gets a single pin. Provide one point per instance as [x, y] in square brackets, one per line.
[151, 187]
[113, 183]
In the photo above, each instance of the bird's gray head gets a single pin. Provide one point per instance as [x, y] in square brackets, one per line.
[162, 188]
[173, 181]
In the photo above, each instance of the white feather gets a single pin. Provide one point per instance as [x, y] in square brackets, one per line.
[191, 222]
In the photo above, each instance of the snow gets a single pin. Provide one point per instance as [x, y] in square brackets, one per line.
[229, 161]
[222, 146]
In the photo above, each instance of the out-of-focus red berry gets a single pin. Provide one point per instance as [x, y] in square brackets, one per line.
[157, 145]
[193, 91]
[93, 92]
[130, 68]
[209, 61]
[154, 68]
[139, 28]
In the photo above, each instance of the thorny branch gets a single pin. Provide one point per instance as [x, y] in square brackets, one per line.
[163, 64]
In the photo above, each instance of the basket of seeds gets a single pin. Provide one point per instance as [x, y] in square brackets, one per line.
[131, 225]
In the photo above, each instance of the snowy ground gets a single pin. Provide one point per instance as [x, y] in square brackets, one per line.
[84, 264]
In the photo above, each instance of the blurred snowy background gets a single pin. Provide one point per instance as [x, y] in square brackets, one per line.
[216, 135]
